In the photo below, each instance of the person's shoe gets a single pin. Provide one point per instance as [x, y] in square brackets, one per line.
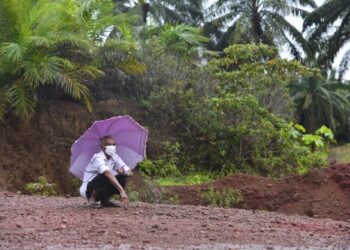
[109, 204]
[94, 205]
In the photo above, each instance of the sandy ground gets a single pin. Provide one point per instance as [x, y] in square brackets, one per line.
[34, 222]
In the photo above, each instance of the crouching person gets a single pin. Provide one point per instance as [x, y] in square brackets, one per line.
[105, 176]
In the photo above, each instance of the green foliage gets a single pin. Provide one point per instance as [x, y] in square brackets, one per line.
[132, 192]
[189, 179]
[174, 11]
[43, 44]
[52, 49]
[186, 179]
[259, 22]
[228, 197]
[340, 153]
[42, 187]
[176, 39]
[323, 20]
[234, 126]
[313, 149]
[321, 102]
[257, 70]
[165, 165]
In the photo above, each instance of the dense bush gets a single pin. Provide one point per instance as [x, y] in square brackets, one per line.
[230, 128]
[165, 165]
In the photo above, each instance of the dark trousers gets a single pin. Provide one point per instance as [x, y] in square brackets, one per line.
[103, 187]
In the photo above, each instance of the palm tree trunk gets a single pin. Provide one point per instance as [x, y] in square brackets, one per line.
[312, 112]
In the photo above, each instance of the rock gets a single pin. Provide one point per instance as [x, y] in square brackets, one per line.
[269, 185]
[63, 226]
[18, 225]
[67, 196]
[123, 236]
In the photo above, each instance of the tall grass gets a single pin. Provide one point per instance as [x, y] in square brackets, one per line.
[340, 154]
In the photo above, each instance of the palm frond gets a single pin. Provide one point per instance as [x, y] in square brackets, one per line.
[13, 52]
[285, 25]
[344, 64]
[321, 14]
[22, 99]
[40, 69]
[72, 86]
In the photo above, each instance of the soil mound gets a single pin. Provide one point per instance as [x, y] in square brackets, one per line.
[320, 193]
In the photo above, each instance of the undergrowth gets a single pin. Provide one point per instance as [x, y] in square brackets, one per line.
[42, 187]
[340, 153]
[227, 197]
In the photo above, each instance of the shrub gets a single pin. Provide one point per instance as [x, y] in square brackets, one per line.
[165, 165]
[222, 198]
[231, 126]
[42, 187]
[132, 192]
[187, 179]
[340, 153]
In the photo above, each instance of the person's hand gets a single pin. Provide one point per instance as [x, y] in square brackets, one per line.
[129, 173]
[125, 198]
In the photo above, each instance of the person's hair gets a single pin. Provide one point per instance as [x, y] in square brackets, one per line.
[105, 138]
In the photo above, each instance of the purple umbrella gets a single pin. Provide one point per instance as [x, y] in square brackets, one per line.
[130, 136]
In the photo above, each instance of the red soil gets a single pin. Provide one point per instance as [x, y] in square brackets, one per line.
[34, 222]
[321, 193]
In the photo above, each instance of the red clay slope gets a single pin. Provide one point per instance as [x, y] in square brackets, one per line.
[321, 193]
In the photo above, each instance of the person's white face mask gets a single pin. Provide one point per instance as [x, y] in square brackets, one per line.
[110, 150]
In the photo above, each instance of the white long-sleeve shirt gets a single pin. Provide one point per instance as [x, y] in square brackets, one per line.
[98, 165]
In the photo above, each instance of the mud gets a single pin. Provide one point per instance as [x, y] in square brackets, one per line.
[34, 222]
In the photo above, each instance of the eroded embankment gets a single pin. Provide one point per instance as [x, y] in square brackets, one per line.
[321, 193]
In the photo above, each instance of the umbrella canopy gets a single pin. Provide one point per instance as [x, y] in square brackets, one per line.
[130, 136]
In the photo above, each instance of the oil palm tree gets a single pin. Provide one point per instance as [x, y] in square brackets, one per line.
[176, 11]
[42, 43]
[257, 21]
[182, 39]
[161, 12]
[322, 102]
[322, 21]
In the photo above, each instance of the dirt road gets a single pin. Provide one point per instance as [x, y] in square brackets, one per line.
[33, 222]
